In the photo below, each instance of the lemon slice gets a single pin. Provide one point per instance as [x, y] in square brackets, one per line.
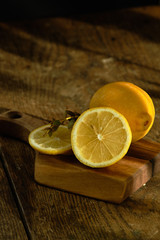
[100, 137]
[58, 143]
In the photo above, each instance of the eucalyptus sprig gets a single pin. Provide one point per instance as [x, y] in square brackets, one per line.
[69, 120]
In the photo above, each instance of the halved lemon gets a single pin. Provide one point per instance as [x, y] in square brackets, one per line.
[100, 137]
[58, 143]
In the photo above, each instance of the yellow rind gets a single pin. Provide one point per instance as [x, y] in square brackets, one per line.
[67, 150]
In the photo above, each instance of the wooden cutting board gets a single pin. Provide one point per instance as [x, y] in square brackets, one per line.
[114, 183]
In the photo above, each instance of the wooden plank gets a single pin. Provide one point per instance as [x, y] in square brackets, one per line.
[11, 225]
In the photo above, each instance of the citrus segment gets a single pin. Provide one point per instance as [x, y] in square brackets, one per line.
[100, 137]
[58, 143]
[131, 101]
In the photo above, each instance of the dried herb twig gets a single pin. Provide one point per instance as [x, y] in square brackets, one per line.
[69, 120]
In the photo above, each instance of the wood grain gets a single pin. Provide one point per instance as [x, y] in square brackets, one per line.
[47, 65]
[113, 184]
[11, 225]
[81, 53]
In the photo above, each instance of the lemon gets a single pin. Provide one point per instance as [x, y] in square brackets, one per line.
[131, 101]
[100, 137]
[58, 143]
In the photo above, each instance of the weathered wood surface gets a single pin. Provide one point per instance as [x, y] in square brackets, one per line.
[47, 65]
[11, 224]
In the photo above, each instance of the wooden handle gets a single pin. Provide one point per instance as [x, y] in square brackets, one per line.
[18, 125]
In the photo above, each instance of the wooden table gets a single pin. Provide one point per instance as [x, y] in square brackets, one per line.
[47, 65]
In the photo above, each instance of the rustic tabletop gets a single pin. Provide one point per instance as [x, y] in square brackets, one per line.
[47, 65]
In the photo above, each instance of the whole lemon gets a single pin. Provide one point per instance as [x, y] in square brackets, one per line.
[131, 101]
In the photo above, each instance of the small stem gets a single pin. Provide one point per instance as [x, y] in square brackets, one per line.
[68, 118]
[56, 123]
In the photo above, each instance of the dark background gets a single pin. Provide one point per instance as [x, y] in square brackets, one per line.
[27, 9]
